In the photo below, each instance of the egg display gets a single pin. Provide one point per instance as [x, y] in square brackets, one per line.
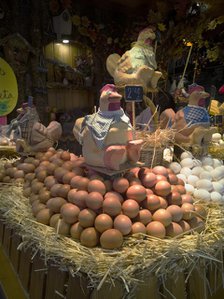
[202, 178]
[98, 210]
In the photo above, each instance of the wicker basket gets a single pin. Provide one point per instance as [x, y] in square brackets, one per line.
[151, 156]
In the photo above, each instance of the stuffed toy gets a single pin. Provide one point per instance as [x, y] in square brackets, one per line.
[29, 134]
[192, 123]
[137, 65]
[107, 136]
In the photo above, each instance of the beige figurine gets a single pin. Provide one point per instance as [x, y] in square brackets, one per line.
[137, 65]
[192, 123]
[107, 136]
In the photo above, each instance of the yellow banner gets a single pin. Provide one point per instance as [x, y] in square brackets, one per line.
[8, 88]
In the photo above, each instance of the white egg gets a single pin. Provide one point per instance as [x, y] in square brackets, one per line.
[201, 194]
[204, 184]
[197, 170]
[197, 162]
[216, 137]
[186, 155]
[186, 171]
[217, 163]
[223, 198]
[221, 142]
[187, 162]
[207, 161]
[205, 175]
[216, 196]
[192, 180]
[182, 177]
[218, 187]
[208, 168]
[175, 167]
[218, 173]
[221, 181]
[189, 188]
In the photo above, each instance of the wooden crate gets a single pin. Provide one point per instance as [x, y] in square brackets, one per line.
[56, 282]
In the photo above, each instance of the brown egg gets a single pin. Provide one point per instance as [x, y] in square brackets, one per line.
[87, 217]
[111, 206]
[36, 187]
[44, 196]
[26, 167]
[50, 181]
[44, 164]
[187, 198]
[188, 211]
[54, 220]
[181, 189]
[73, 157]
[19, 174]
[120, 184]
[97, 186]
[55, 204]
[63, 191]
[173, 230]
[181, 182]
[143, 171]
[162, 216]
[136, 192]
[200, 211]
[172, 179]
[176, 212]
[68, 165]
[111, 239]
[152, 202]
[69, 213]
[144, 216]
[148, 191]
[138, 228]
[130, 208]
[76, 230]
[59, 173]
[41, 175]
[65, 156]
[149, 180]
[163, 188]
[197, 224]
[27, 191]
[78, 170]
[103, 222]
[37, 206]
[174, 198]
[6, 179]
[115, 195]
[161, 170]
[55, 189]
[62, 227]
[29, 176]
[135, 181]
[185, 225]
[123, 224]
[78, 197]
[75, 181]
[66, 179]
[19, 181]
[43, 216]
[58, 162]
[163, 202]
[94, 200]
[156, 229]
[89, 237]
[160, 177]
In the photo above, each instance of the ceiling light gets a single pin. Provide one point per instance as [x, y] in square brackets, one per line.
[65, 41]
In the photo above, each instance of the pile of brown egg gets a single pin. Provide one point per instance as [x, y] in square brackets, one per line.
[98, 210]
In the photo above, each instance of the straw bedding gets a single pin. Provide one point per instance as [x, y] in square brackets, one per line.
[138, 258]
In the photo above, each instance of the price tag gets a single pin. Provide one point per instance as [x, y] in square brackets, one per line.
[133, 93]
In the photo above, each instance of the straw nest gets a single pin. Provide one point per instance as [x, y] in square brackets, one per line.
[138, 259]
[159, 138]
[216, 151]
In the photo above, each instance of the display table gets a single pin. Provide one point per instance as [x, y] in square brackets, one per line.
[53, 266]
